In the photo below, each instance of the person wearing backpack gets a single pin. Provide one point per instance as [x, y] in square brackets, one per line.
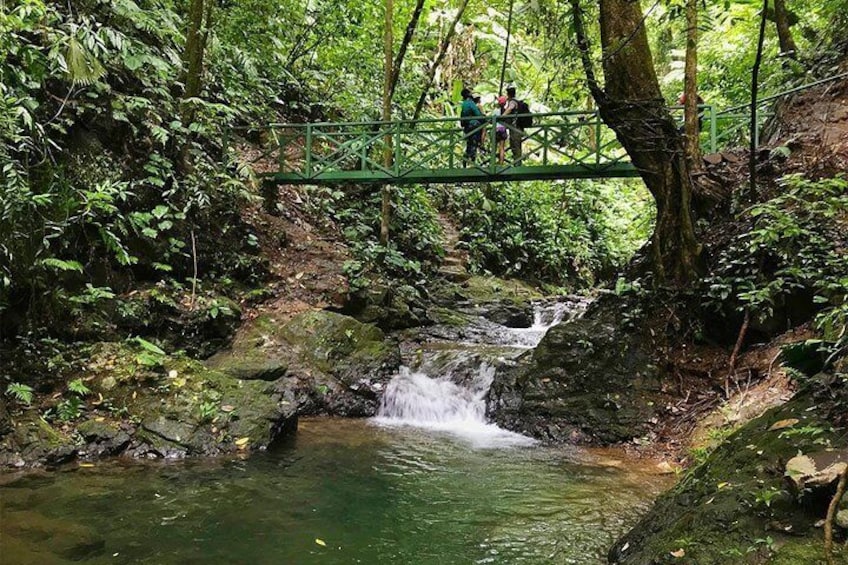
[517, 124]
[470, 126]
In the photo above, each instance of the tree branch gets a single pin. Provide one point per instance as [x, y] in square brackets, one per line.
[583, 47]
[755, 83]
[404, 45]
[438, 61]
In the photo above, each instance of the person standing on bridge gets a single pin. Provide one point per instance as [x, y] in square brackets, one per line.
[470, 125]
[517, 125]
[501, 132]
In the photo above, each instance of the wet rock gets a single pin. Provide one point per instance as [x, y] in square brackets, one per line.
[172, 431]
[34, 440]
[589, 379]
[322, 362]
[103, 438]
[509, 315]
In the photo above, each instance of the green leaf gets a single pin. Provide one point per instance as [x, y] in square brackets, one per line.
[147, 346]
[160, 211]
[62, 265]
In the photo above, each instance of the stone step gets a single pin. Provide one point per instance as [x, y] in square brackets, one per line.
[452, 260]
[455, 274]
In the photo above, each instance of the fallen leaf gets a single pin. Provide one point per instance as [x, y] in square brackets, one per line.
[788, 423]
[679, 553]
[299, 275]
[320, 542]
[804, 470]
[227, 408]
[722, 485]
[242, 442]
[86, 465]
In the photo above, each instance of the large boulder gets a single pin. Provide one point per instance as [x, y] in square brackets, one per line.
[328, 363]
[759, 497]
[589, 380]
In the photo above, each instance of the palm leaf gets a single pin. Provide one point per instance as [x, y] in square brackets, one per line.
[83, 68]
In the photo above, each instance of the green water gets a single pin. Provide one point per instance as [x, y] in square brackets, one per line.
[373, 495]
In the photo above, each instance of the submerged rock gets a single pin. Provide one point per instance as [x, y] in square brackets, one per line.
[588, 380]
[31, 537]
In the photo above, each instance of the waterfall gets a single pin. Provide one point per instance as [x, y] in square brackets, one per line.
[447, 390]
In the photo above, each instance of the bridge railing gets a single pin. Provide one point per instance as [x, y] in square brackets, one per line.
[568, 144]
[325, 150]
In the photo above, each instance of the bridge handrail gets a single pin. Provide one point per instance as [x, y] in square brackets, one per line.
[445, 119]
[768, 99]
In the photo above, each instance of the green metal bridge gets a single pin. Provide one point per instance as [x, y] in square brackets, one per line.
[559, 145]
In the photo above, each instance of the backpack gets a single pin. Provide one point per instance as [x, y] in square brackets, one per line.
[523, 122]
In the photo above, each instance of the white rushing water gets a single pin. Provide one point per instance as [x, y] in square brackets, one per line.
[544, 318]
[443, 402]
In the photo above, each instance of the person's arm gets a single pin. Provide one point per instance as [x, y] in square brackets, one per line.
[510, 106]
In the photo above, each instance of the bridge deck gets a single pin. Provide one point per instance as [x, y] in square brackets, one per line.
[559, 145]
[458, 175]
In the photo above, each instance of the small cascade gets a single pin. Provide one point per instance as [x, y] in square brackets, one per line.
[439, 404]
[544, 318]
[443, 393]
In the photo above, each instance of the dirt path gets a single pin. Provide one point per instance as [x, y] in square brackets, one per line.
[454, 267]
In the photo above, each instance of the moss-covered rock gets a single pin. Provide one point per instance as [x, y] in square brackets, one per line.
[33, 439]
[147, 404]
[739, 506]
[485, 290]
[326, 362]
[589, 380]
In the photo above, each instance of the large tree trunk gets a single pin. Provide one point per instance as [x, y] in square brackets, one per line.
[691, 110]
[784, 34]
[631, 104]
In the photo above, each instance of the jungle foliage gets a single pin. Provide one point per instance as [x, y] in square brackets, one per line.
[108, 186]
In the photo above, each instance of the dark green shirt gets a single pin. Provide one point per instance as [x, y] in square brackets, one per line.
[469, 109]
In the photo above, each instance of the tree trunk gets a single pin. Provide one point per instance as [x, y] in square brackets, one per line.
[784, 34]
[386, 209]
[755, 85]
[631, 104]
[438, 61]
[691, 110]
[404, 45]
[506, 47]
[197, 35]
[199, 23]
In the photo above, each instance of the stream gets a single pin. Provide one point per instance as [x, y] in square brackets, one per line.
[429, 480]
